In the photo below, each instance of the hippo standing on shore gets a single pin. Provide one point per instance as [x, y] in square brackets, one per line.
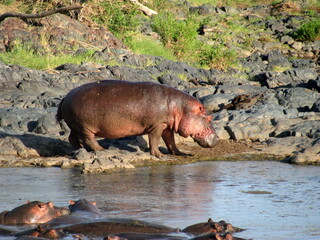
[114, 109]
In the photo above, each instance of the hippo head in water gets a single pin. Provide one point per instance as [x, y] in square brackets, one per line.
[32, 212]
[196, 123]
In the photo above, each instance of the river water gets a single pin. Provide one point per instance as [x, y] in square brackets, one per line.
[271, 200]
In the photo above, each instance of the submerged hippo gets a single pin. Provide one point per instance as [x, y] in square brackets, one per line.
[146, 236]
[115, 109]
[32, 212]
[98, 228]
[81, 211]
[211, 227]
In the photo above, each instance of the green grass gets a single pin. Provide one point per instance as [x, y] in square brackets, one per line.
[22, 55]
[309, 31]
[141, 44]
[217, 56]
[179, 35]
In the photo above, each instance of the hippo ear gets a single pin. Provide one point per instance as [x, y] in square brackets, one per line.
[94, 203]
[50, 204]
[71, 202]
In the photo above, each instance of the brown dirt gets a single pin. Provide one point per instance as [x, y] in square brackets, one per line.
[225, 150]
[225, 147]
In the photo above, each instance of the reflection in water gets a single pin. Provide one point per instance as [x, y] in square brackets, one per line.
[272, 200]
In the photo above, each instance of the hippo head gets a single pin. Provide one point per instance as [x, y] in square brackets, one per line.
[40, 212]
[195, 122]
[83, 205]
[34, 212]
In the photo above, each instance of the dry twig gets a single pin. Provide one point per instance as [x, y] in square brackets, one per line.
[38, 15]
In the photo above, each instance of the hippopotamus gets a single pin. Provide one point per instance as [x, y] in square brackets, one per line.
[101, 227]
[114, 109]
[211, 227]
[81, 211]
[146, 236]
[97, 227]
[32, 212]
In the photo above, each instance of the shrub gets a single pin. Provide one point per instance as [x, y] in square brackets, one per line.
[120, 17]
[310, 31]
[217, 56]
[180, 35]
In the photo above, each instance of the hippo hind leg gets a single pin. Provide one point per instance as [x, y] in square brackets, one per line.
[87, 141]
[168, 138]
[90, 143]
[74, 139]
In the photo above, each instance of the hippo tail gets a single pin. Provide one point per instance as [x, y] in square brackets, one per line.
[59, 112]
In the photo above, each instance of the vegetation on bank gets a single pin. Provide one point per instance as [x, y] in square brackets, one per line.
[309, 31]
[177, 30]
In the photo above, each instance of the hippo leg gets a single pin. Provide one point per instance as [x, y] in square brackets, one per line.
[74, 139]
[89, 142]
[168, 138]
[154, 138]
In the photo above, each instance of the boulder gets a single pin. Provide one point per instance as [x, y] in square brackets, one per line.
[302, 99]
[276, 59]
[309, 155]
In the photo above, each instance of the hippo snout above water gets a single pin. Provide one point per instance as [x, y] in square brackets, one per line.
[32, 212]
[115, 109]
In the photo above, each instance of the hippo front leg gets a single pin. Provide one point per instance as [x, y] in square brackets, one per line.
[168, 138]
[154, 138]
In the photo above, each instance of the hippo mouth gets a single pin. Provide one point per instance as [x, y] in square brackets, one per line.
[206, 139]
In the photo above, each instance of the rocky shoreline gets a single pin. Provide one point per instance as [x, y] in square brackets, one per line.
[267, 109]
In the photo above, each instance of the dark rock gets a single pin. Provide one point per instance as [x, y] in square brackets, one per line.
[309, 155]
[215, 76]
[274, 79]
[294, 77]
[261, 10]
[62, 31]
[204, 9]
[316, 106]
[33, 145]
[277, 59]
[242, 102]
[216, 102]
[310, 129]
[277, 27]
[303, 63]
[239, 89]
[130, 74]
[302, 75]
[46, 124]
[300, 98]
[286, 39]
[170, 80]
[27, 120]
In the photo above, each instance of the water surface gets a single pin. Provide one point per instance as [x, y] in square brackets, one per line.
[271, 200]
